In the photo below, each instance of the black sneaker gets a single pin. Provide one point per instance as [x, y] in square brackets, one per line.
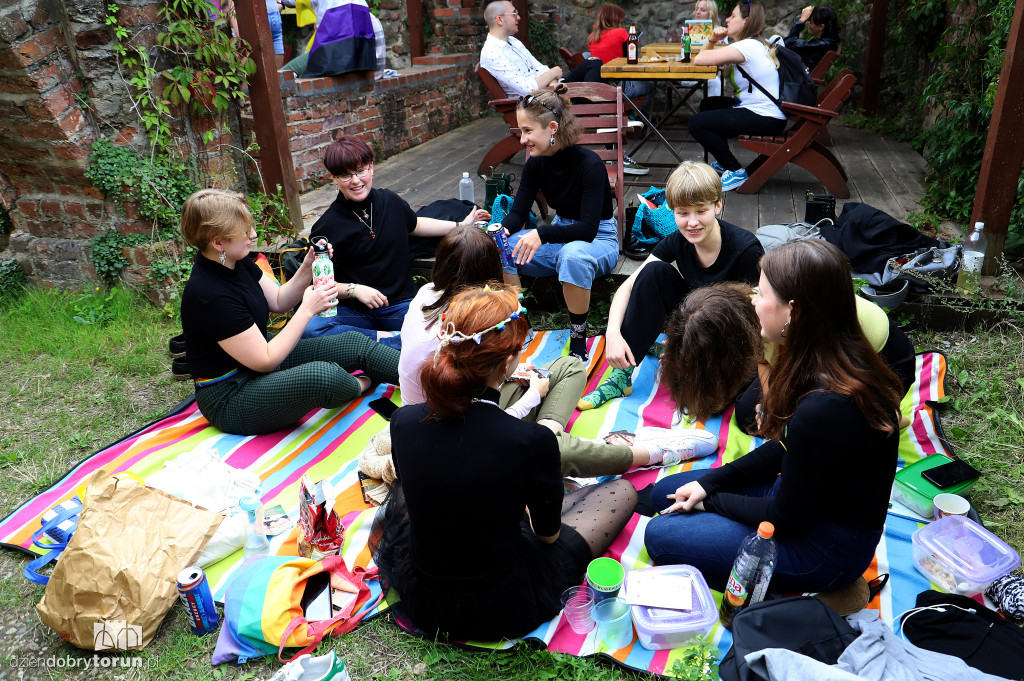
[637, 250]
[176, 345]
[180, 370]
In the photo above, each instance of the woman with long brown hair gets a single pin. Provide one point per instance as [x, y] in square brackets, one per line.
[461, 450]
[830, 411]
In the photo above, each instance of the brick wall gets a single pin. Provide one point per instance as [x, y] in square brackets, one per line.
[438, 94]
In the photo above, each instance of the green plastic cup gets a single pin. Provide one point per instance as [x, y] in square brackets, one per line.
[604, 576]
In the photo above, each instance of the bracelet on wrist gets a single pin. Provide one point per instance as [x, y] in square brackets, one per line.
[350, 290]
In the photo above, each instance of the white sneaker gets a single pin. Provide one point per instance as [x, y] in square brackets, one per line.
[308, 668]
[677, 445]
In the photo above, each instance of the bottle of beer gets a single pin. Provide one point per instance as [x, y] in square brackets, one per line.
[686, 44]
[632, 47]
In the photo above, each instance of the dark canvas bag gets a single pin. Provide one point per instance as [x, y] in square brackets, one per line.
[801, 623]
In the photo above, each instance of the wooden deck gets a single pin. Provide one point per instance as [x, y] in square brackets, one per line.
[885, 174]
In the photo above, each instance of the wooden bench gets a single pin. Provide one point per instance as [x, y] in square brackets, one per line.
[571, 59]
[820, 70]
[799, 144]
[507, 147]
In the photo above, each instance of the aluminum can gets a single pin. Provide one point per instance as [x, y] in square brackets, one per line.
[497, 232]
[323, 272]
[194, 592]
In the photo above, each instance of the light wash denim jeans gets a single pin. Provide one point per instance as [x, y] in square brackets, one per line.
[576, 262]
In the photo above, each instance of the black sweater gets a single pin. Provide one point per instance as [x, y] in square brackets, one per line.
[575, 183]
[834, 467]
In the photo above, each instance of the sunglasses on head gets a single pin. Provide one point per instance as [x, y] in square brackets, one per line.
[526, 100]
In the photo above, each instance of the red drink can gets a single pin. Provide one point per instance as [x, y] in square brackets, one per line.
[194, 592]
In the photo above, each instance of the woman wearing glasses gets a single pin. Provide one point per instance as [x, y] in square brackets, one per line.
[369, 230]
[581, 243]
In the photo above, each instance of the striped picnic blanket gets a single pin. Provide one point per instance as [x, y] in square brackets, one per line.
[326, 444]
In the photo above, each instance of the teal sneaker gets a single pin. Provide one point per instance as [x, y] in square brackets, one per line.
[733, 179]
[618, 384]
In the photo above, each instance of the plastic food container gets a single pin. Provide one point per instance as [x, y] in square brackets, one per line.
[660, 628]
[960, 556]
[916, 493]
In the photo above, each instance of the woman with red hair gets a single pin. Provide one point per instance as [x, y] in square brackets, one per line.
[460, 450]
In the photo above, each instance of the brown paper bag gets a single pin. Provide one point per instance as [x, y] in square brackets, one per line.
[118, 576]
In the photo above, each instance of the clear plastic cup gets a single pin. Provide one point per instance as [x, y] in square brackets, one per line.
[614, 622]
[577, 604]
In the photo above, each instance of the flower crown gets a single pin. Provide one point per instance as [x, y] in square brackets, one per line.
[449, 335]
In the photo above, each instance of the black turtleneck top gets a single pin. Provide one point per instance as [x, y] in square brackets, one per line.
[382, 261]
[575, 183]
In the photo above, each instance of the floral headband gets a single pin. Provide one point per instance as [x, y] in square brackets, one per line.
[449, 335]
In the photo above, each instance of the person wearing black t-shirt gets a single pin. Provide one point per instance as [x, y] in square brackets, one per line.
[582, 242]
[471, 475]
[369, 229]
[704, 250]
[830, 414]
[246, 384]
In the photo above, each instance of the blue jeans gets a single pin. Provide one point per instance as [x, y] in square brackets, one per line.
[577, 262]
[825, 556]
[359, 317]
[276, 31]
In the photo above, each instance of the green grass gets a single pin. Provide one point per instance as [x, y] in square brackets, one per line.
[70, 388]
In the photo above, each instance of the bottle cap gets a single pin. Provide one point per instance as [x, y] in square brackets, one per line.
[978, 226]
[320, 245]
[466, 175]
[765, 530]
[250, 502]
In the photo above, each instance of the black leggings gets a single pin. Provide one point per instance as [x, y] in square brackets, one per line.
[712, 130]
[657, 291]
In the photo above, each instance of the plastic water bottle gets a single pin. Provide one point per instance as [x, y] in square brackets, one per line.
[975, 244]
[466, 189]
[256, 543]
[323, 271]
[750, 574]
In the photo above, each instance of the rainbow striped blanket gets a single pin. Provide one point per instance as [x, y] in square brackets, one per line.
[326, 444]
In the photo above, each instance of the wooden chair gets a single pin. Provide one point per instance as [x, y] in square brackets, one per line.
[819, 72]
[507, 147]
[571, 59]
[798, 145]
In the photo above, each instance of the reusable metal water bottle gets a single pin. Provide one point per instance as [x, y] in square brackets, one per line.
[323, 271]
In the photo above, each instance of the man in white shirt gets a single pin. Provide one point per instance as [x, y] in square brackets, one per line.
[516, 70]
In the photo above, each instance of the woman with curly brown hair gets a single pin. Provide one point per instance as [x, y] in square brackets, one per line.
[830, 412]
[496, 465]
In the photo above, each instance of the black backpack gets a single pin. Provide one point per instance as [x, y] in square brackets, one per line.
[801, 623]
[795, 83]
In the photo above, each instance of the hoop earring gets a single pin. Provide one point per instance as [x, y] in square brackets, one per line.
[223, 257]
[785, 327]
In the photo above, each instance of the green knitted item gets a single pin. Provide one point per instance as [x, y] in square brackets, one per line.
[618, 384]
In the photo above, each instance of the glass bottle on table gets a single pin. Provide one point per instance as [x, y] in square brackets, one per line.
[632, 46]
[686, 45]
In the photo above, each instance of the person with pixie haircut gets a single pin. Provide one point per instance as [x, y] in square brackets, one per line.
[581, 243]
[754, 113]
[830, 415]
[703, 251]
[527, 540]
[369, 229]
[823, 25]
[245, 383]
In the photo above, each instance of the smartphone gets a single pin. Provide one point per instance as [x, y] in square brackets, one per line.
[316, 597]
[384, 407]
[952, 473]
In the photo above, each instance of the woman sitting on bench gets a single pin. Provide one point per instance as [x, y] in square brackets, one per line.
[830, 412]
[496, 466]
[581, 243]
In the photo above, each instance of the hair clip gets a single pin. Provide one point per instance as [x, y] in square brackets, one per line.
[487, 288]
[449, 335]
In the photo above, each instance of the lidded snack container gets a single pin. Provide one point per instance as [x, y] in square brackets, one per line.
[916, 493]
[960, 556]
[661, 628]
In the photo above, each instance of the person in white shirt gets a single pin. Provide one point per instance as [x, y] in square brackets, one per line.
[516, 70]
[753, 113]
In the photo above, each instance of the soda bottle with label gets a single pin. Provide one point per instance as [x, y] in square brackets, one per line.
[686, 44]
[974, 257]
[748, 580]
[632, 46]
[323, 271]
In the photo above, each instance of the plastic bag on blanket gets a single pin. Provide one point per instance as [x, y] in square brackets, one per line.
[651, 225]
